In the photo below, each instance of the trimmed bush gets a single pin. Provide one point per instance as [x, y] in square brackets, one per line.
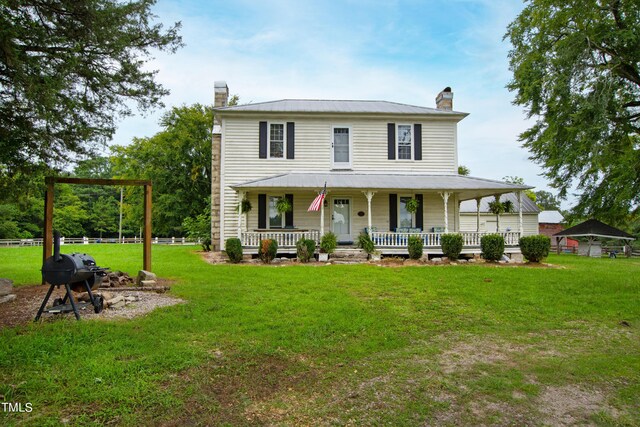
[451, 245]
[268, 250]
[535, 248]
[329, 243]
[305, 248]
[492, 246]
[233, 248]
[365, 242]
[415, 246]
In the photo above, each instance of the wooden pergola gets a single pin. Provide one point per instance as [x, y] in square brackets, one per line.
[47, 243]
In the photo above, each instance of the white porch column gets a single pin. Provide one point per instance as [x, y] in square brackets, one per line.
[521, 227]
[445, 197]
[478, 200]
[322, 218]
[240, 197]
[369, 195]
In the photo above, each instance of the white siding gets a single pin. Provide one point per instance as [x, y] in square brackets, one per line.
[510, 221]
[313, 153]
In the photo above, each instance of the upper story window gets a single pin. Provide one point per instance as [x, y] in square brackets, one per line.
[276, 140]
[404, 142]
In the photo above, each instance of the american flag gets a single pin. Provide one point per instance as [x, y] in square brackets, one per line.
[317, 202]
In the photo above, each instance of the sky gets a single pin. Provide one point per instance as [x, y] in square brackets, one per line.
[400, 51]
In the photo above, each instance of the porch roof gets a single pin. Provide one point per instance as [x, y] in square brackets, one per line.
[465, 186]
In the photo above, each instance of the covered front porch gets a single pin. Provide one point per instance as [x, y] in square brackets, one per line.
[380, 208]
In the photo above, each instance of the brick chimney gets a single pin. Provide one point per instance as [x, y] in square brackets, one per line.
[444, 100]
[220, 99]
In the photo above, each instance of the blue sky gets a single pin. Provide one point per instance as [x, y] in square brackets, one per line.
[401, 51]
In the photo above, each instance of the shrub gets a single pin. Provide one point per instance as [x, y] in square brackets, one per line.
[535, 248]
[268, 250]
[329, 243]
[305, 249]
[365, 242]
[451, 245]
[492, 246]
[199, 228]
[233, 247]
[415, 246]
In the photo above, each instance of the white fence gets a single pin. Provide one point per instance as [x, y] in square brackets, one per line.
[283, 238]
[92, 240]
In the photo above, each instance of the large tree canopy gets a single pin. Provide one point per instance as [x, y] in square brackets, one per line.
[68, 70]
[576, 70]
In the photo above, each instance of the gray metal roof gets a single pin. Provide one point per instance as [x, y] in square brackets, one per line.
[464, 186]
[528, 206]
[336, 106]
[550, 217]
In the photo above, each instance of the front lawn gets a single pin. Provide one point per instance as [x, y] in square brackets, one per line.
[343, 344]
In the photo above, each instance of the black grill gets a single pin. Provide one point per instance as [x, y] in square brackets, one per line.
[77, 272]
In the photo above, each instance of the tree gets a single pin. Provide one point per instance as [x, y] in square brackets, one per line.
[463, 170]
[547, 201]
[178, 161]
[68, 70]
[576, 70]
[520, 181]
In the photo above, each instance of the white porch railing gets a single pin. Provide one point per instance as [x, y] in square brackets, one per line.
[470, 238]
[284, 238]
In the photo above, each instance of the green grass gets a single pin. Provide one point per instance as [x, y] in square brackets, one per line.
[339, 344]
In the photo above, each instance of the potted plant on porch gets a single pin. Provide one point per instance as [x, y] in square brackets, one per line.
[244, 207]
[328, 245]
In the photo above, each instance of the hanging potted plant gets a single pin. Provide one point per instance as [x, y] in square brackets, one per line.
[244, 207]
[497, 208]
[412, 205]
[283, 205]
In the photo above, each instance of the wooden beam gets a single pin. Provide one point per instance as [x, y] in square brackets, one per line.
[47, 242]
[97, 181]
[146, 262]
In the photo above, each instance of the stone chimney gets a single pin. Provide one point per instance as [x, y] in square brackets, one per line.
[444, 100]
[220, 99]
[221, 92]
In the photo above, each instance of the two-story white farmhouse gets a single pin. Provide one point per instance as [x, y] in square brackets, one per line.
[374, 156]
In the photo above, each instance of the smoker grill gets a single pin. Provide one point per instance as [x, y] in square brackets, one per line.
[76, 272]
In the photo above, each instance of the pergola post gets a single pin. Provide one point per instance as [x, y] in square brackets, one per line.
[478, 200]
[47, 243]
[369, 195]
[146, 249]
[445, 197]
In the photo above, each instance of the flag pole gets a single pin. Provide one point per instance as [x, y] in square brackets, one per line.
[324, 190]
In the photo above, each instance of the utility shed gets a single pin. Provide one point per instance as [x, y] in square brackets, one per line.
[593, 230]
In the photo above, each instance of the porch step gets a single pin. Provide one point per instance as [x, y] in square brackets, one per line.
[349, 254]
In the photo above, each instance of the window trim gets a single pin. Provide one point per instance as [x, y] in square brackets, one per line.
[284, 140]
[341, 165]
[412, 145]
[413, 214]
[282, 216]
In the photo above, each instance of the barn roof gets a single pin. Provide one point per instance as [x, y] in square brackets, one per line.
[594, 228]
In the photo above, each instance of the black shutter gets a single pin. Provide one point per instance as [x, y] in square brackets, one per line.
[417, 141]
[288, 216]
[263, 140]
[420, 212]
[262, 211]
[291, 137]
[391, 141]
[393, 212]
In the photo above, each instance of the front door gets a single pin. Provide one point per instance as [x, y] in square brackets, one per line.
[341, 219]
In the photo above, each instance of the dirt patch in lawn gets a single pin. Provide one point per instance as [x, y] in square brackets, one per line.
[24, 308]
[572, 405]
[241, 391]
